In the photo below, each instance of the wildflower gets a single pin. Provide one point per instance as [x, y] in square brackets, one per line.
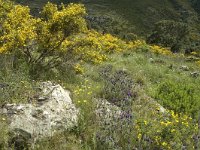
[78, 69]
[185, 123]
[162, 123]
[168, 123]
[89, 93]
[164, 144]
[139, 136]
[173, 130]
[158, 108]
[193, 53]
[145, 122]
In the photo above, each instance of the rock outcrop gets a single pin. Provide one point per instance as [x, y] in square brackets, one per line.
[51, 111]
[106, 111]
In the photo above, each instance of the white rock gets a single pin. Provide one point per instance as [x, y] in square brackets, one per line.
[56, 112]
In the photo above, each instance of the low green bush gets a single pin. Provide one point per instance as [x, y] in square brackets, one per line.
[180, 97]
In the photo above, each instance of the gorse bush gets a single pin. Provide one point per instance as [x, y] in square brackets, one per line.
[160, 50]
[39, 40]
[180, 97]
[5, 6]
[59, 35]
[140, 45]
[93, 47]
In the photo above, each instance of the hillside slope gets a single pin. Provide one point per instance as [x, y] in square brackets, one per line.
[141, 14]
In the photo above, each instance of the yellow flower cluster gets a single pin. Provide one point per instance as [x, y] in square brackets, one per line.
[73, 13]
[78, 69]
[194, 53]
[160, 50]
[140, 44]
[48, 10]
[83, 93]
[136, 44]
[5, 6]
[198, 63]
[112, 44]
[19, 29]
[93, 46]
[167, 130]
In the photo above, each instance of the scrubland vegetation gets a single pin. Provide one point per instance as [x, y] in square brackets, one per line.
[129, 73]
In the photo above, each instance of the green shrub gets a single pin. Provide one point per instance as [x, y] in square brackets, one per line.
[179, 36]
[180, 97]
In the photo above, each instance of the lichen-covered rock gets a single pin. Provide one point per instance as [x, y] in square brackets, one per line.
[50, 112]
[184, 68]
[107, 112]
[194, 74]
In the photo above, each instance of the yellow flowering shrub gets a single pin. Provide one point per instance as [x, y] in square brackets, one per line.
[92, 46]
[38, 40]
[141, 44]
[78, 69]
[59, 33]
[5, 6]
[18, 29]
[194, 53]
[136, 44]
[160, 50]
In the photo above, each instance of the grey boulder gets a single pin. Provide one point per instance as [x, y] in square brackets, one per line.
[52, 111]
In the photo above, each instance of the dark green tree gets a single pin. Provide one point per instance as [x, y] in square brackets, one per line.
[169, 33]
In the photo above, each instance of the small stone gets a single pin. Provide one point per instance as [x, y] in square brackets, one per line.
[195, 74]
[184, 68]
[3, 85]
[151, 60]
